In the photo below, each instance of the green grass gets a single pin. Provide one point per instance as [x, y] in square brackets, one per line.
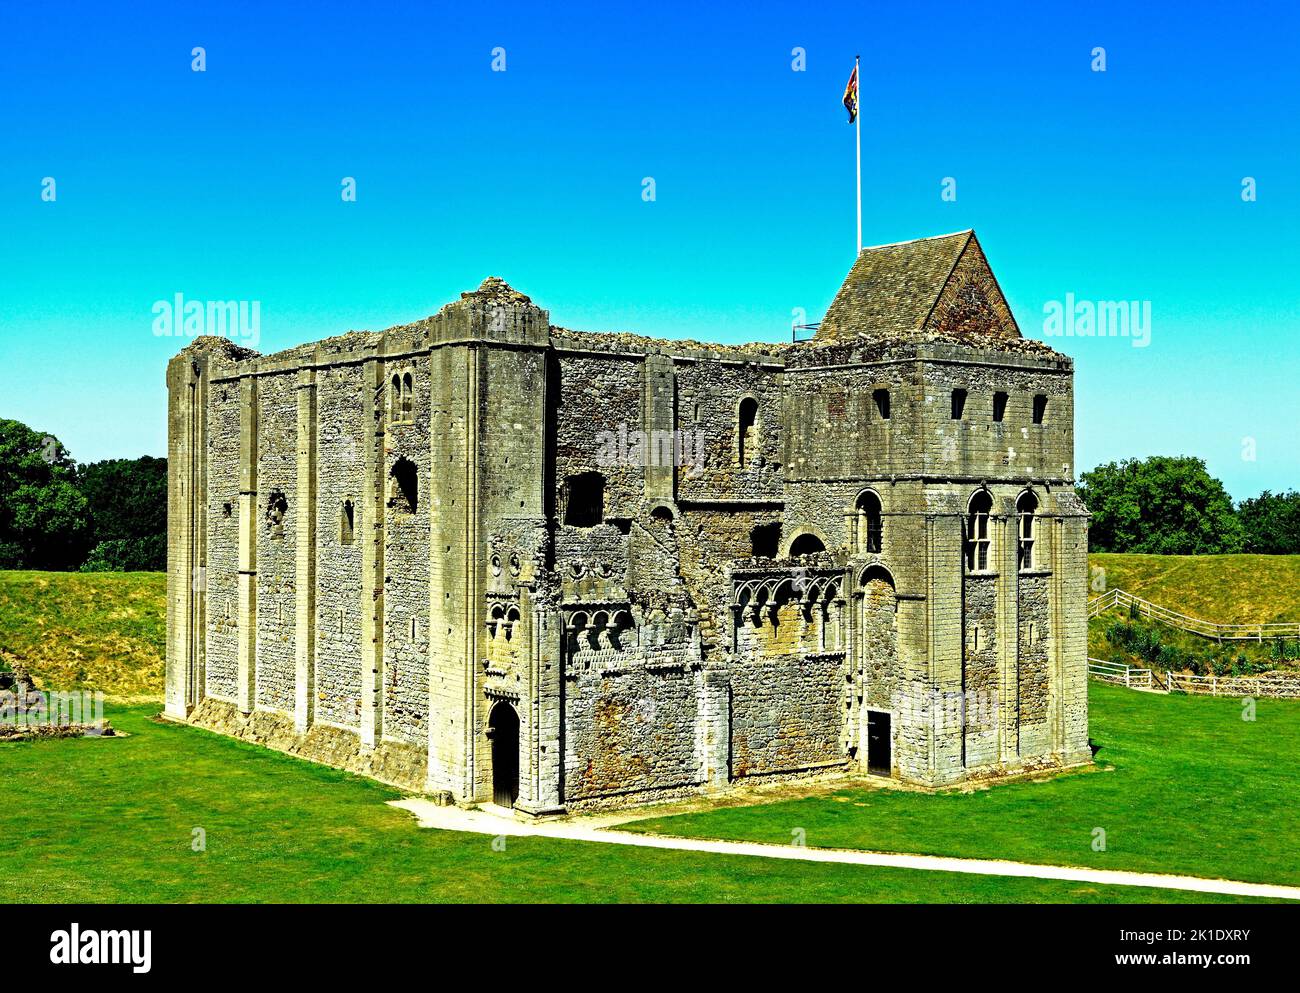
[111, 821]
[1194, 790]
[96, 631]
[1227, 589]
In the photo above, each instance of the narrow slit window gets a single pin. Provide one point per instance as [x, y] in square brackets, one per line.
[958, 404]
[1040, 408]
[347, 522]
[999, 406]
[882, 403]
[746, 431]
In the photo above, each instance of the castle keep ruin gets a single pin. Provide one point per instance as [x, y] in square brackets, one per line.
[485, 557]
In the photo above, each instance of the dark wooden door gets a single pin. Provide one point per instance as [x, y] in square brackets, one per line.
[879, 759]
[504, 726]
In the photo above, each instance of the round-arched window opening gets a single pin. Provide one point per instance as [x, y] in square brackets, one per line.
[978, 542]
[1026, 507]
[806, 544]
[746, 432]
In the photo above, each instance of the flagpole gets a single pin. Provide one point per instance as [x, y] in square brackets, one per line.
[857, 118]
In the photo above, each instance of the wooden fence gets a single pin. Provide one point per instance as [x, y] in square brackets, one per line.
[1137, 678]
[1206, 629]
[1125, 675]
[1278, 687]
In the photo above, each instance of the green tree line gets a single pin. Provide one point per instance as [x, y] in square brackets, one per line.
[60, 515]
[1171, 505]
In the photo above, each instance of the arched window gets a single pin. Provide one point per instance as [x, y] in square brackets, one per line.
[1025, 509]
[404, 493]
[395, 399]
[977, 531]
[408, 398]
[579, 635]
[806, 544]
[746, 431]
[870, 524]
[662, 515]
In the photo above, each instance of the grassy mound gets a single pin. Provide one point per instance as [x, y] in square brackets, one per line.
[1226, 589]
[86, 631]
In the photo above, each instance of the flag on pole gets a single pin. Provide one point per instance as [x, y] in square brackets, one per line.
[851, 96]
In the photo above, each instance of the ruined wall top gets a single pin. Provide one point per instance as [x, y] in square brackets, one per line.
[929, 296]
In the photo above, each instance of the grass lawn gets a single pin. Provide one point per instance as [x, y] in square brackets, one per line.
[1194, 789]
[112, 821]
[1227, 589]
[99, 631]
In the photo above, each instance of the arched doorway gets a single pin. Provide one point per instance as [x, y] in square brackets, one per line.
[503, 729]
[880, 668]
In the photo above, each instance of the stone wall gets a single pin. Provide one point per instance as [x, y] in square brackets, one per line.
[338, 554]
[221, 571]
[278, 510]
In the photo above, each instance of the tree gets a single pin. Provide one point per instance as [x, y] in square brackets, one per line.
[1162, 505]
[44, 519]
[1271, 522]
[128, 506]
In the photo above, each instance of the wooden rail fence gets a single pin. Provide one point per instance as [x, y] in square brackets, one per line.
[1206, 629]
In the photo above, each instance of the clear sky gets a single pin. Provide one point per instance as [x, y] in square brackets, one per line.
[226, 185]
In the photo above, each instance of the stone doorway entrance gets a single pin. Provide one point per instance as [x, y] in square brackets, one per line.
[503, 729]
[879, 757]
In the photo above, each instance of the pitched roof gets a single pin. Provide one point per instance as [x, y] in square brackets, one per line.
[938, 285]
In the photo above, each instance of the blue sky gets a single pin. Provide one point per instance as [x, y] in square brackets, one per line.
[225, 185]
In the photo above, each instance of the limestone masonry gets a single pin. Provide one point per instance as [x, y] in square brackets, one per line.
[487, 558]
